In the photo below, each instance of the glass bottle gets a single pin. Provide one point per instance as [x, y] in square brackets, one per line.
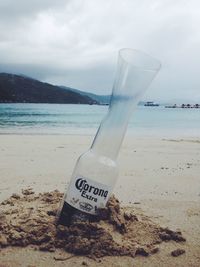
[96, 171]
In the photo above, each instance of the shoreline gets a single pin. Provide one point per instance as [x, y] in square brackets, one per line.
[163, 135]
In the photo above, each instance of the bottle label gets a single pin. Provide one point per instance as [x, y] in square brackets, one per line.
[87, 195]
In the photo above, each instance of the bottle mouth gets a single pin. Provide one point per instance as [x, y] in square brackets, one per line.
[139, 59]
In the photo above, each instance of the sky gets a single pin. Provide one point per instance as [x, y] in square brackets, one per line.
[75, 42]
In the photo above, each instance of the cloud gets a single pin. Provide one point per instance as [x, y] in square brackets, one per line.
[11, 10]
[75, 43]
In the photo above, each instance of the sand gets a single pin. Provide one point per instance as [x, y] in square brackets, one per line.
[159, 180]
[30, 220]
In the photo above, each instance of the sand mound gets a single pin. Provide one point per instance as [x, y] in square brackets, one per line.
[29, 219]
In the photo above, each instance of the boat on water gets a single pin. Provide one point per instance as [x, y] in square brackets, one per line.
[151, 104]
[172, 106]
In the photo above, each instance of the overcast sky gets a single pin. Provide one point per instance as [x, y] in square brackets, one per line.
[75, 43]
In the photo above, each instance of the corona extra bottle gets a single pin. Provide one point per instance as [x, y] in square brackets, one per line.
[96, 171]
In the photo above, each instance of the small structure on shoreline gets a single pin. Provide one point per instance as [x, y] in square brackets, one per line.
[183, 106]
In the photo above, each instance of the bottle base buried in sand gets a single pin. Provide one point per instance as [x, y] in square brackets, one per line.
[83, 199]
[69, 215]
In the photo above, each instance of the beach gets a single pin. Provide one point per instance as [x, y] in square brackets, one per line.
[99, 134]
[158, 177]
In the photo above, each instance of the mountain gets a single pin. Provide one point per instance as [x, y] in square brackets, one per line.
[102, 99]
[22, 89]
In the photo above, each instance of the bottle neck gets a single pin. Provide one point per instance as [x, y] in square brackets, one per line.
[111, 132]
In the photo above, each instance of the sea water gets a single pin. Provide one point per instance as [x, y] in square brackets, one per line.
[85, 119]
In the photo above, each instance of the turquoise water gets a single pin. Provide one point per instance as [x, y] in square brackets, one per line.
[85, 119]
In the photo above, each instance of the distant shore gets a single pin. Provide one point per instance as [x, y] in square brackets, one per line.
[183, 106]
